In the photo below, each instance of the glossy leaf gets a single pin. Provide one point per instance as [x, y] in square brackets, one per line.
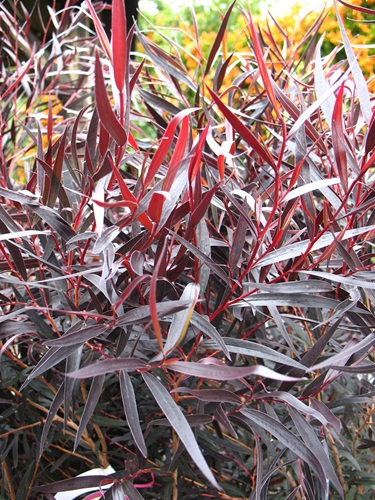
[131, 412]
[105, 111]
[291, 441]
[225, 372]
[179, 424]
[109, 366]
[90, 405]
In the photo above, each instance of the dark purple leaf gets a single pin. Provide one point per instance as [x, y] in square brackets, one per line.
[211, 395]
[224, 372]
[201, 256]
[222, 417]
[109, 366]
[131, 411]
[130, 491]
[74, 483]
[77, 337]
[193, 420]
[310, 438]
[291, 441]
[142, 313]
[90, 405]
[49, 360]
[56, 403]
[218, 39]
[332, 420]
[256, 350]
[179, 424]
[70, 384]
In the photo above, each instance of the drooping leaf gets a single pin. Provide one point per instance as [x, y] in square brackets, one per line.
[131, 412]
[178, 421]
[56, 403]
[291, 441]
[310, 438]
[90, 405]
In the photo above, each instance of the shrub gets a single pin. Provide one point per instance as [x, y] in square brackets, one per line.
[186, 268]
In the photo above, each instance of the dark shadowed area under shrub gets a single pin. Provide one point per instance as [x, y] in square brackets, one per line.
[186, 266]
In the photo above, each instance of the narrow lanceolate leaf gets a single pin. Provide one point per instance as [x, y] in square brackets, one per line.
[267, 83]
[208, 329]
[119, 46]
[107, 116]
[49, 360]
[56, 403]
[163, 148]
[92, 400]
[224, 372]
[218, 39]
[338, 139]
[55, 183]
[360, 82]
[321, 84]
[131, 411]
[210, 395]
[255, 350]
[181, 320]
[109, 366]
[100, 30]
[179, 423]
[358, 7]
[78, 337]
[291, 441]
[241, 129]
[311, 440]
[297, 249]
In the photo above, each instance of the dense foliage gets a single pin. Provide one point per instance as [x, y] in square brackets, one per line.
[187, 253]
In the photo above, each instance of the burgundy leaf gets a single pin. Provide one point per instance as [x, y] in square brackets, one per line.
[210, 395]
[90, 405]
[291, 441]
[56, 403]
[310, 438]
[109, 366]
[105, 111]
[77, 337]
[119, 48]
[338, 139]
[179, 424]
[131, 412]
[224, 372]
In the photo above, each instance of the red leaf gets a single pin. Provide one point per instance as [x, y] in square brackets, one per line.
[164, 145]
[338, 139]
[195, 161]
[267, 83]
[129, 197]
[105, 111]
[178, 154]
[100, 30]
[241, 129]
[357, 7]
[156, 204]
[119, 47]
[57, 172]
